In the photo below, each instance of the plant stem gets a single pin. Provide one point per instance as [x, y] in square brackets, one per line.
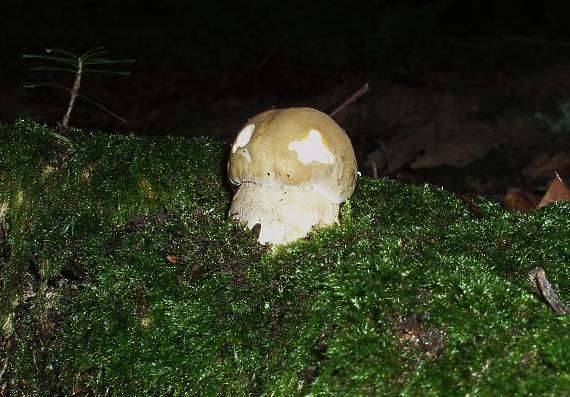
[74, 91]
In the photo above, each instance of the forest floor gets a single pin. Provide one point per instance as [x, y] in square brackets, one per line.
[500, 136]
[478, 116]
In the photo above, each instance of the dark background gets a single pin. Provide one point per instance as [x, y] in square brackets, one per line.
[203, 68]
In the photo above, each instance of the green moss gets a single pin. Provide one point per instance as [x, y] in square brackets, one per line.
[121, 276]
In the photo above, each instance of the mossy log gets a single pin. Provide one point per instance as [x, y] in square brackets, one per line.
[120, 275]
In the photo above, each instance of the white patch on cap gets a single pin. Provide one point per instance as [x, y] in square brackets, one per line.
[312, 149]
[243, 138]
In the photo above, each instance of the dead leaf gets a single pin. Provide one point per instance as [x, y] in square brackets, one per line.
[448, 139]
[456, 142]
[543, 165]
[519, 132]
[556, 192]
[519, 200]
[172, 259]
[196, 270]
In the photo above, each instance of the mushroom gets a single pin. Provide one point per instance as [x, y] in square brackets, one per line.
[293, 168]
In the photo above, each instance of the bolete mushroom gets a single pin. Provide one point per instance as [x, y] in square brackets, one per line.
[293, 167]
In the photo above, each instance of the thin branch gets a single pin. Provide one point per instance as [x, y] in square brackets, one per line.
[531, 40]
[351, 99]
[374, 170]
[94, 102]
[545, 290]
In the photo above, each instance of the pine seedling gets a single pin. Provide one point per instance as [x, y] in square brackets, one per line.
[87, 63]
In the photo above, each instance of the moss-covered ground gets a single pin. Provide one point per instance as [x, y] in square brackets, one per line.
[121, 276]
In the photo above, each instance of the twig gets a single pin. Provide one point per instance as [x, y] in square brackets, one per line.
[475, 210]
[531, 40]
[351, 99]
[374, 170]
[384, 153]
[544, 289]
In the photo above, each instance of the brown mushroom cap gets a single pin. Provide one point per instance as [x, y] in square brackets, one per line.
[297, 149]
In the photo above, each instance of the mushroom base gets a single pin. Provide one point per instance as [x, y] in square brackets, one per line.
[284, 215]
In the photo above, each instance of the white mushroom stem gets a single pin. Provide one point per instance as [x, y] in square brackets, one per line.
[284, 215]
